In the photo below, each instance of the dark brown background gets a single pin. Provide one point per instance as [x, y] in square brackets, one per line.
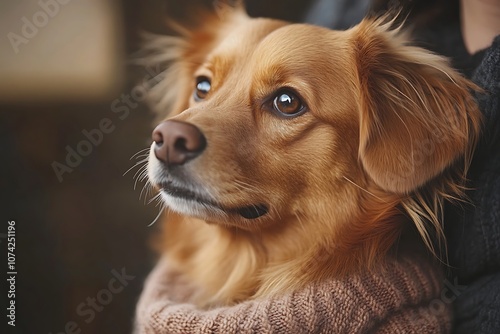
[72, 234]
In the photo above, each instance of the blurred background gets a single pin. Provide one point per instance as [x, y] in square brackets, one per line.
[71, 117]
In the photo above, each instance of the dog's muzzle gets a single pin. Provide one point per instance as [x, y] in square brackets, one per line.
[175, 144]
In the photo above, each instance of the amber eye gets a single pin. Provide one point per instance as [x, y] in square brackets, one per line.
[287, 104]
[203, 86]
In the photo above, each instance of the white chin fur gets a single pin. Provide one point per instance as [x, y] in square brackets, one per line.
[192, 208]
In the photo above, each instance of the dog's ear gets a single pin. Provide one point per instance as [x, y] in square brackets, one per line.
[417, 115]
[195, 27]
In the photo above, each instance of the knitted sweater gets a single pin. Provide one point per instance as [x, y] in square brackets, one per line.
[404, 296]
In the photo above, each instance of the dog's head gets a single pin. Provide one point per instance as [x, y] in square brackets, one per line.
[269, 122]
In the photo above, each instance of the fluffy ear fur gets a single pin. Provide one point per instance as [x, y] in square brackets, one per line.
[197, 27]
[417, 115]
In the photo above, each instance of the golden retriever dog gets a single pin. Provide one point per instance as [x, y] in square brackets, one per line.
[290, 153]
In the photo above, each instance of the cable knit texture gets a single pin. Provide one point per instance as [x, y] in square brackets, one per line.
[404, 296]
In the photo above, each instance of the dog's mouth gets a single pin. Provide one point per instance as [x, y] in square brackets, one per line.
[248, 212]
[253, 211]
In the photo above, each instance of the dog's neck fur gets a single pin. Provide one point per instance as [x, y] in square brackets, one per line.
[229, 265]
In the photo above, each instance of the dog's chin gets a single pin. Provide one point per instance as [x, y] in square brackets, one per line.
[193, 208]
[190, 204]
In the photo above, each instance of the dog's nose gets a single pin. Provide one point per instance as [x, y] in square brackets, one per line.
[177, 142]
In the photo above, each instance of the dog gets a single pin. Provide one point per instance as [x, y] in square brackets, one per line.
[289, 153]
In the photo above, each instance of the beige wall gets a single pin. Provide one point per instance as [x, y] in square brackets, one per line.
[60, 49]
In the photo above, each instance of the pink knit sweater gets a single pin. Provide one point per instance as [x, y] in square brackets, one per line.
[401, 297]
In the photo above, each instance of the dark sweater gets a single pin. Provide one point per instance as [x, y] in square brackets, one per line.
[473, 231]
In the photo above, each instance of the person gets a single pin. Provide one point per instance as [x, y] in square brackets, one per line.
[472, 41]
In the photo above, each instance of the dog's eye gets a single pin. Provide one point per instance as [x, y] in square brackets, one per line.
[203, 86]
[287, 104]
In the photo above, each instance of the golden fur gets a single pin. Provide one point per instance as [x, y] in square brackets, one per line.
[387, 136]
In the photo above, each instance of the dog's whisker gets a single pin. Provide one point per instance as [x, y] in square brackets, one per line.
[145, 155]
[145, 190]
[135, 165]
[140, 152]
[140, 175]
[361, 188]
[242, 185]
[144, 174]
[158, 216]
[149, 190]
[141, 156]
[142, 190]
[239, 187]
[139, 172]
[140, 169]
[156, 197]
